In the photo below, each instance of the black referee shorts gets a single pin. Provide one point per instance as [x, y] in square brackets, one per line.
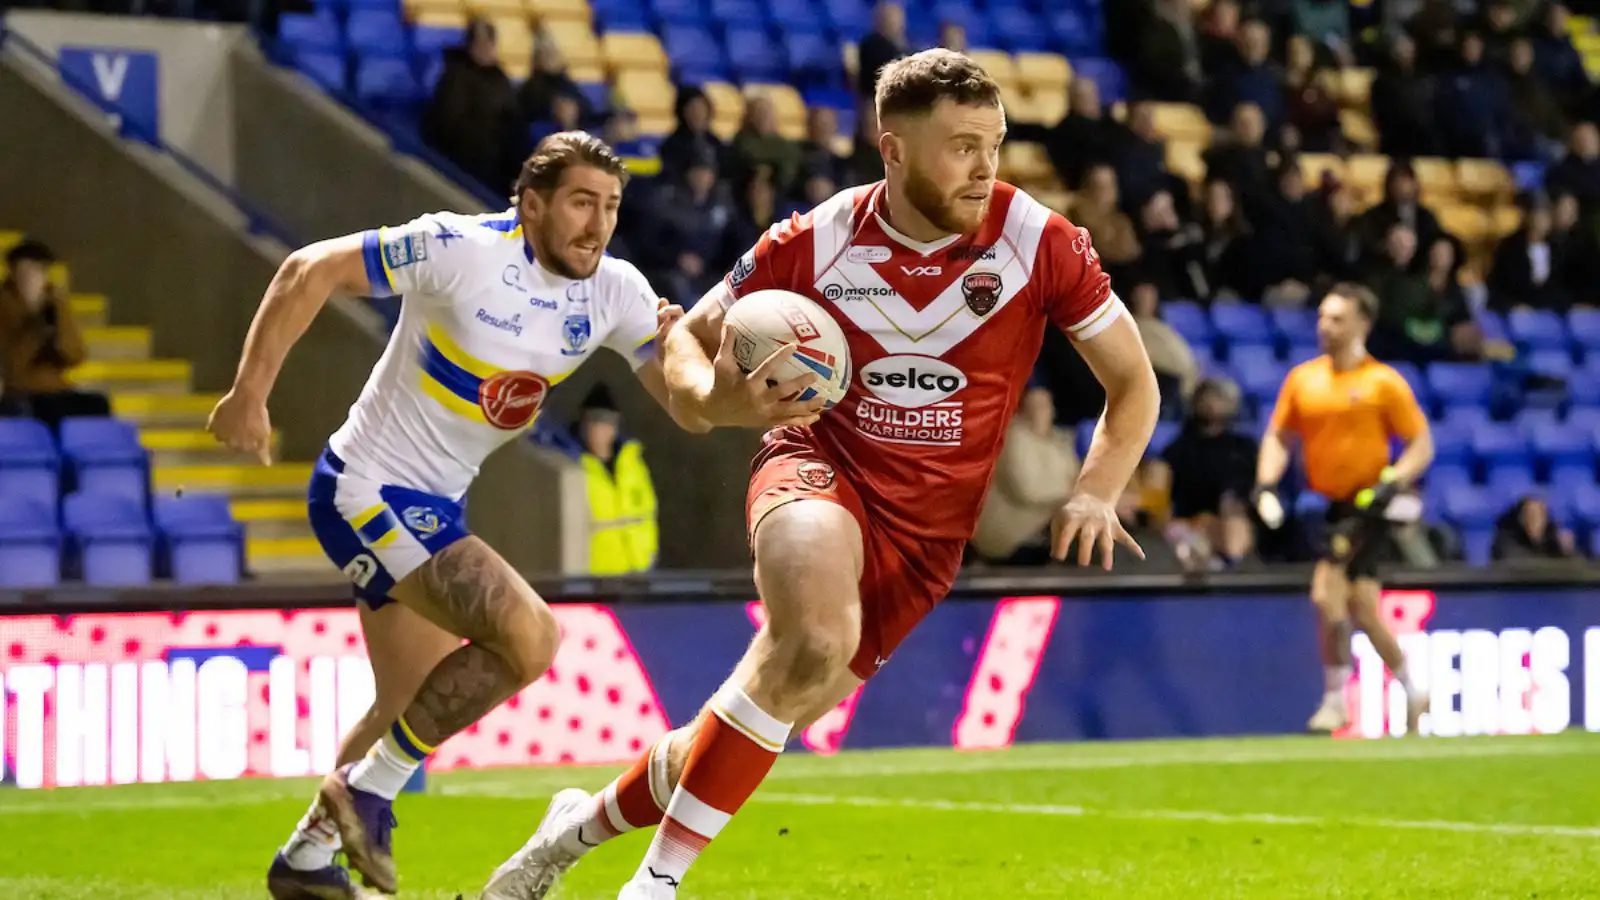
[1355, 539]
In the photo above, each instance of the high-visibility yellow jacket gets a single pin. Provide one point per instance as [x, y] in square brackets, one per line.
[622, 513]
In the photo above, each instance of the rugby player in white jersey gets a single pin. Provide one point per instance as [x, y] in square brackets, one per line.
[496, 309]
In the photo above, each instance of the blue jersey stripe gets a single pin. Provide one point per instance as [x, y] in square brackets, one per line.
[455, 379]
[372, 256]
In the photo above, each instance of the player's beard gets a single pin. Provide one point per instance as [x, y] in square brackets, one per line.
[544, 250]
[929, 199]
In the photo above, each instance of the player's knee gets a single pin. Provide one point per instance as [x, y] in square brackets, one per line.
[528, 640]
[811, 657]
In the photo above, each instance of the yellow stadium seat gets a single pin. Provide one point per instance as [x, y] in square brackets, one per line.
[1181, 122]
[1484, 179]
[633, 50]
[61, 277]
[646, 93]
[517, 68]
[416, 9]
[657, 125]
[1358, 127]
[452, 17]
[1048, 104]
[1506, 219]
[1436, 177]
[1469, 223]
[725, 129]
[786, 103]
[545, 11]
[497, 9]
[1355, 87]
[1000, 66]
[1026, 164]
[1313, 165]
[514, 37]
[577, 42]
[727, 104]
[1184, 159]
[1366, 171]
[1044, 70]
[9, 239]
[587, 73]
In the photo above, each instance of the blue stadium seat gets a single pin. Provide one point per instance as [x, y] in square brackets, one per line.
[1301, 351]
[812, 54]
[692, 48]
[1528, 421]
[1105, 73]
[371, 33]
[754, 56]
[1294, 325]
[1242, 323]
[111, 538]
[315, 32]
[1556, 363]
[358, 5]
[1561, 445]
[203, 544]
[1164, 434]
[1537, 329]
[1493, 325]
[1510, 482]
[1468, 507]
[1075, 32]
[1082, 434]
[1477, 545]
[680, 12]
[430, 42]
[794, 17]
[1585, 505]
[30, 543]
[1583, 387]
[1460, 384]
[852, 19]
[1586, 417]
[1501, 447]
[105, 458]
[1571, 480]
[1452, 443]
[1418, 382]
[1441, 480]
[748, 13]
[1190, 321]
[387, 81]
[30, 467]
[1309, 504]
[1584, 326]
[1019, 30]
[326, 69]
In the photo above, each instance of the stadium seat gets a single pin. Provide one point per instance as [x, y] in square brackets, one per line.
[693, 48]
[646, 93]
[30, 467]
[1528, 421]
[1484, 181]
[314, 32]
[326, 69]
[1190, 321]
[1436, 177]
[794, 17]
[852, 19]
[387, 82]
[633, 50]
[1585, 505]
[680, 12]
[812, 57]
[1416, 380]
[1242, 323]
[202, 542]
[1551, 362]
[1583, 388]
[1043, 70]
[1294, 325]
[1537, 329]
[1017, 29]
[110, 537]
[105, 458]
[1584, 326]
[739, 13]
[1561, 445]
[432, 40]
[1460, 384]
[371, 33]
[1497, 447]
[1477, 544]
[1468, 506]
[578, 45]
[1510, 482]
[1164, 434]
[1571, 480]
[1310, 505]
[1074, 31]
[30, 544]
[1452, 444]
[1300, 351]
[628, 18]
[1493, 325]
[1106, 74]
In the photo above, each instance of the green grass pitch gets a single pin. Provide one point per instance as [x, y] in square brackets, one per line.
[1276, 818]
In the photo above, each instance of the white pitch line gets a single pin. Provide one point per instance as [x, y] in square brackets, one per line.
[1178, 815]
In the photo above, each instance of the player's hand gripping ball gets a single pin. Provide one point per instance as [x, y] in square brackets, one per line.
[783, 360]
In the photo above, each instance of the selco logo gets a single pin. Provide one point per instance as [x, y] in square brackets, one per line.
[911, 382]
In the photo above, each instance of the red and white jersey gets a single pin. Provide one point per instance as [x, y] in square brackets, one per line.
[943, 338]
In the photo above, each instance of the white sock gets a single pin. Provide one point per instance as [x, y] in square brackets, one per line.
[314, 842]
[1334, 678]
[390, 763]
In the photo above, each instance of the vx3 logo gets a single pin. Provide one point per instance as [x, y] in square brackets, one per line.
[922, 270]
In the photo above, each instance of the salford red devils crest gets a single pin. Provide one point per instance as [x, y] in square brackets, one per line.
[818, 475]
[510, 400]
[981, 290]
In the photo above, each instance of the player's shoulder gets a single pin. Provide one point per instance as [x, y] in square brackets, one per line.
[620, 282]
[1385, 375]
[837, 213]
[1307, 369]
[447, 231]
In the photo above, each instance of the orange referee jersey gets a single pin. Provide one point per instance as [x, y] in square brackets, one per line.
[1345, 421]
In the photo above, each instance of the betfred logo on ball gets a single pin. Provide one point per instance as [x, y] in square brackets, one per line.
[510, 400]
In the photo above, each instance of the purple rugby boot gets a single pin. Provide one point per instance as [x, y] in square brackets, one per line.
[366, 823]
[326, 883]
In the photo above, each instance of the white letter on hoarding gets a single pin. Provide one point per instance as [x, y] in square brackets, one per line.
[1369, 682]
[283, 711]
[166, 721]
[1591, 679]
[30, 683]
[1516, 681]
[223, 685]
[1445, 683]
[1480, 681]
[1552, 695]
[356, 691]
[82, 724]
[324, 714]
[125, 723]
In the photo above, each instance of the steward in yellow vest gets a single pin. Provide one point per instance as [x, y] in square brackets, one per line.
[622, 498]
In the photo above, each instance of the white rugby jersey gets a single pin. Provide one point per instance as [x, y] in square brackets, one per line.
[484, 333]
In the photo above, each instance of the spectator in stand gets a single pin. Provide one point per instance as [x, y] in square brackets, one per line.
[1174, 250]
[817, 154]
[1402, 103]
[816, 189]
[1473, 104]
[1212, 469]
[1400, 206]
[1540, 125]
[473, 119]
[883, 45]
[757, 208]
[1556, 60]
[1227, 273]
[866, 163]
[693, 138]
[1097, 209]
[1141, 160]
[548, 85]
[1084, 137]
[1415, 320]
[1219, 30]
[641, 155]
[758, 143]
[1251, 77]
[1242, 159]
[953, 36]
[1525, 532]
[1500, 27]
[1313, 110]
[1170, 355]
[566, 114]
[1284, 243]
[1527, 265]
[1578, 250]
[1338, 241]
[1168, 64]
[40, 342]
[1327, 23]
[1578, 173]
[1436, 29]
[1037, 467]
[702, 226]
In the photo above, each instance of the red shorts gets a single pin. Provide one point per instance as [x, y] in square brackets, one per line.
[902, 578]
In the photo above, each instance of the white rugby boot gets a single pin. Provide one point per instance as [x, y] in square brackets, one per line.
[558, 843]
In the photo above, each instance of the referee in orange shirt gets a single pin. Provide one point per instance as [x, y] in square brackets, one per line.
[1345, 407]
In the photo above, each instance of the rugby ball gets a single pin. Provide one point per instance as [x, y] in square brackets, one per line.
[761, 323]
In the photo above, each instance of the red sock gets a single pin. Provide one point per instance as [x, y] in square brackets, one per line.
[636, 799]
[734, 751]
